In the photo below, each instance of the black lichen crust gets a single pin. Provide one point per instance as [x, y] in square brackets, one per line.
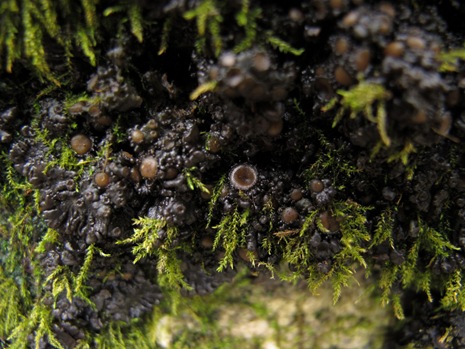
[322, 135]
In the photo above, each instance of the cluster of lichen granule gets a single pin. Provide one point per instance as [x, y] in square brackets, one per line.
[309, 141]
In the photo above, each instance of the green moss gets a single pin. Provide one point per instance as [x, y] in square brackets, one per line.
[193, 182]
[25, 27]
[247, 19]
[135, 20]
[9, 50]
[50, 238]
[39, 322]
[429, 245]
[354, 234]
[283, 46]
[208, 86]
[331, 163]
[118, 132]
[167, 25]
[361, 99]
[72, 99]
[383, 229]
[450, 60]
[11, 307]
[354, 230]
[230, 234]
[129, 12]
[298, 107]
[214, 198]
[145, 237]
[19, 230]
[208, 19]
[403, 154]
[33, 36]
[120, 335]
[454, 293]
[80, 287]
[168, 265]
[19, 207]
[59, 153]
[61, 281]
[86, 41]
[170, 277]
[296, 248]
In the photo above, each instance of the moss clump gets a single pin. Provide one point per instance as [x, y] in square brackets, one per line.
[193, 182]
[168, 265]
[328, 163]
[299, 249]
[121, 335]
[21, 309]
[38, 322]
[411, 274]
[362, 99]
[208, 18]
[450, 59]
[230, 235]
[27, 26]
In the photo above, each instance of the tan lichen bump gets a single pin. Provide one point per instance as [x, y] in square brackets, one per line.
[102, 179]
[137, 136]
[289, 215]
[81, 144]
[149, 167]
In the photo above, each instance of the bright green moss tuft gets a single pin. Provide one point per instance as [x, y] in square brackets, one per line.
[230, 234]
[362, 99]
[214, 198]
[208, 19]
[296, 248]
[454, 293]
[168, 265]
[120, 335]
[193, 182]
[330, 163]
[11, 307]
[450, 60]
[283, 46]
[145, 237]
[247, 19]
[430, 244]
[39, 322]
[26, 26]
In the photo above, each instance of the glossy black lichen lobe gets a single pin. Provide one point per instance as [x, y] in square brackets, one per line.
[309, 140]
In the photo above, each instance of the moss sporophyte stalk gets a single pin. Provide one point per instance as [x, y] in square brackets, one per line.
[159, 156]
